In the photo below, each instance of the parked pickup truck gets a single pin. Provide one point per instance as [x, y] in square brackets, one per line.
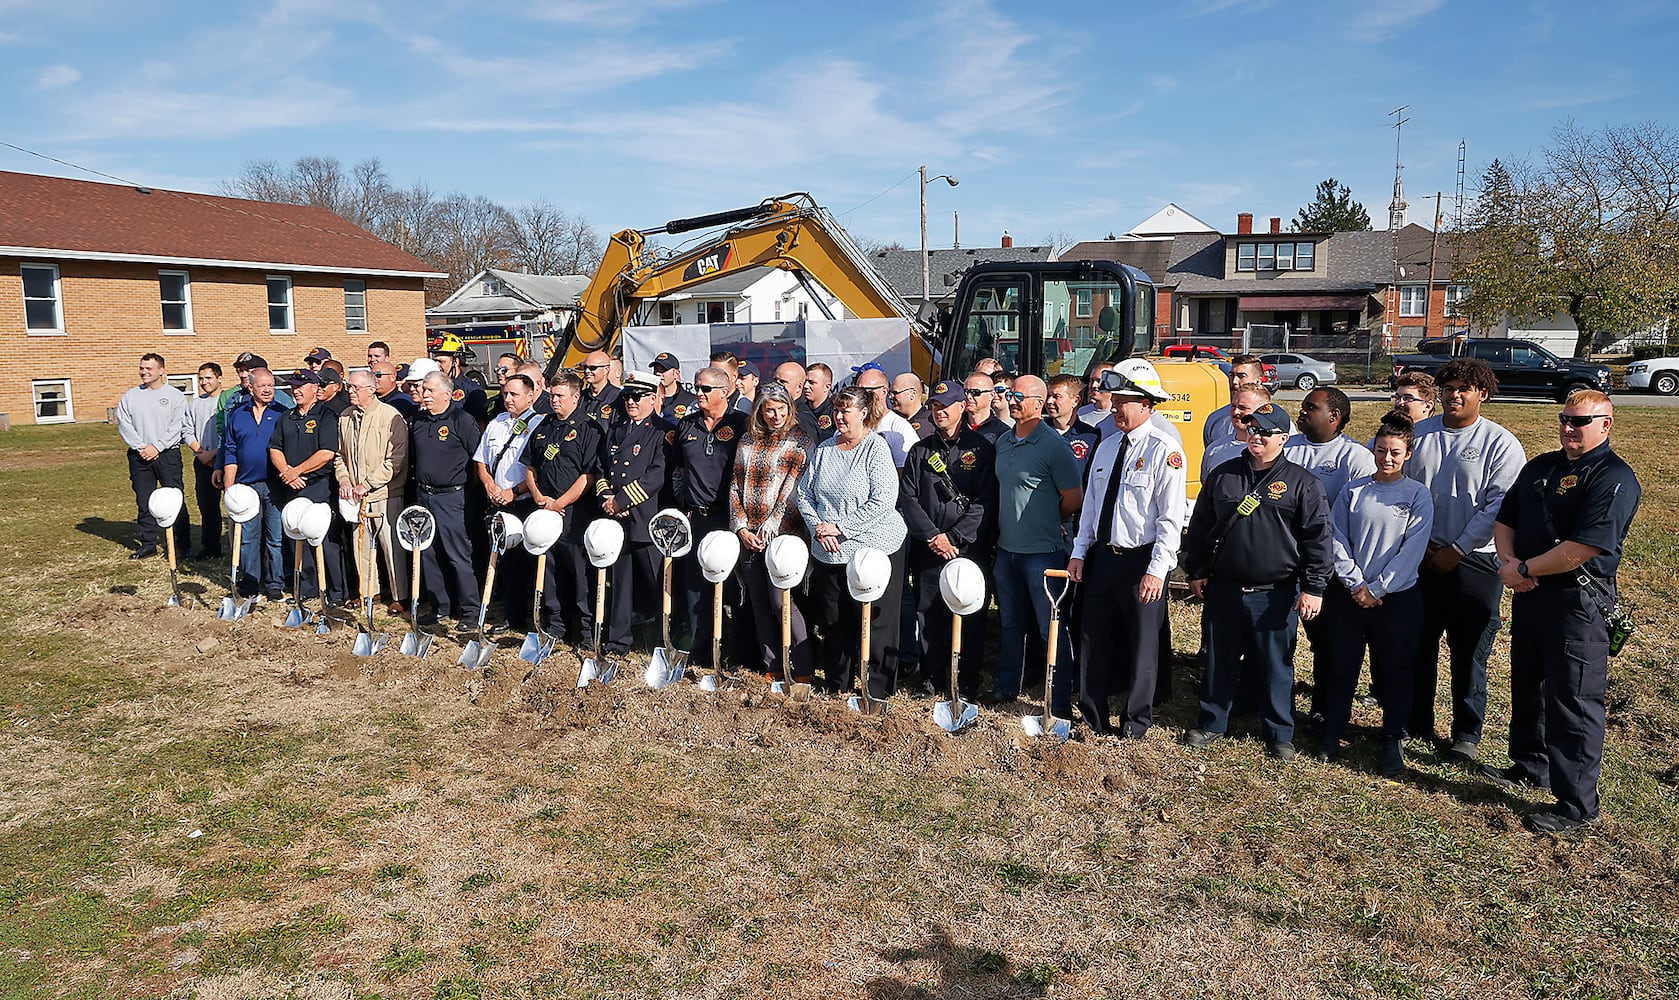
[1522, 367]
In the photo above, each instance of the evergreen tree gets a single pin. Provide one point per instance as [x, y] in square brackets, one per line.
[1332, 211]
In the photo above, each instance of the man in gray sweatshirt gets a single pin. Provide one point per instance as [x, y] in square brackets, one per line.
[152, 419]
[1468, 464]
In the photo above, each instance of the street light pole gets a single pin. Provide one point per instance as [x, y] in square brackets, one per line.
[926, 260]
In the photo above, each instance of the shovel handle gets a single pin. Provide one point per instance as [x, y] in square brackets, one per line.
[955, 654]
[664, 616]
[169, 543]
[536, 592]
[233, 574]
[600, 604]
[787, 636]
[489, 584]
[1053, 642]
[413, 581]
[863, 664]
[297, 574]
[320, 575]
[717, 629]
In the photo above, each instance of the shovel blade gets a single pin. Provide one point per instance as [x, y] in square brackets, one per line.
[416, 644]
[322, 626]
[590, 673]
[1058, 729]
[872, 707]
[368, 643]
[296, 618]
[476, 655]
[953, 717]
[776, 687]
[799, 693]
[535, 648]
[228, 611]
[666, 668]
[708, 683]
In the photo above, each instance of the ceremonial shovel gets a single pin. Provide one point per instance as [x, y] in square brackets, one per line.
[674, 538]
[416, 529]
[1047, 724]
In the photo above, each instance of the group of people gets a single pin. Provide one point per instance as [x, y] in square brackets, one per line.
[1385, 546]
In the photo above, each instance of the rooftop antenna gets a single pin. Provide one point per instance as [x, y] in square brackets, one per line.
[1396, 222]
[1396, 211]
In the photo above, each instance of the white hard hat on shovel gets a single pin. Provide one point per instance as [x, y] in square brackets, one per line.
[542, 529]
[243, 504]
[165, 505]
[317, 521]
[786, 559]
[719, 551]
[603, 539]
[868, 573]
[962, 583]
[292, 514]
[349, 508]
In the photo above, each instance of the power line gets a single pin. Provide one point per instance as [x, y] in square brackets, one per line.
[882, 194]
[67, 163]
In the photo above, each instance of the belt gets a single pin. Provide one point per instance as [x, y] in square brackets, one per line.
[1116, 550]
[434, 490]
[1259, 588]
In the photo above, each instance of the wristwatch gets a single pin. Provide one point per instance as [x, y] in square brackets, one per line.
[1521, 568]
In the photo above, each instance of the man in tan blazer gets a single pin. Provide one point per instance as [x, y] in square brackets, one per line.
[372, 467]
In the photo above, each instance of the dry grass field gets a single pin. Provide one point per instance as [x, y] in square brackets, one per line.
[190, 808]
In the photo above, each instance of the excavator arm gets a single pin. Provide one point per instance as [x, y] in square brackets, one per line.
[791, 233]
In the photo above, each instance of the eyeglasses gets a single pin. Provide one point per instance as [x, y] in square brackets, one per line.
[977, 393]
[1407, 400]
[1456, 390]
[1256, 432]
[1001, 390]
[501, 370]
[596, 368]
[900, 392]
[1579, 419]
[705, 389]
[1018, 397]
[872, 388]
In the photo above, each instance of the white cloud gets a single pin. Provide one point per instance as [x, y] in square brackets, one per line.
[156, 112]
[599, 14]
[54, 77]
[1379, 20]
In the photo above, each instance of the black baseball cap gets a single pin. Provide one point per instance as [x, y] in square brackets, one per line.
[1269, 419]
[665, 361]
[303, 376]
[248, 360]
[947, 393]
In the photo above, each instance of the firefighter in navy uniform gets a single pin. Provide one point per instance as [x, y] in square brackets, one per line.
[678, 402]
[300, 455]
[467, 394]
[633, 465]
[1559, 535]
[560, 468]
[949, 503]
[703, 462]
[600, 396]
[442, 438]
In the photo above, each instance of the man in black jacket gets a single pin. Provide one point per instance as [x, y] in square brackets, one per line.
[1260, 551]
[949, 503]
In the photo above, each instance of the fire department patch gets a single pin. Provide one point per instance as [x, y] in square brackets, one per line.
[443, 433]
[824, 421]
[915, 425]
[636, 450]
[725, 433]
[681, 410]
[308, 427]
[1278, 489]
[969, 459]
[571, 435]
[1175, 460]
[941, 387]
[670, 438]
[1567, 483]
[606, 413]
[1080, 449]
[458, 395]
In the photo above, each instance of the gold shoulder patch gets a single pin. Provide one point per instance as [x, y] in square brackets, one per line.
[1175, 460]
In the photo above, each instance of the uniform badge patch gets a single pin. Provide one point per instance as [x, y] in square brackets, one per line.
[1142, 460]
[308, 427]
[458, 395]
[670, 438]
[725, 433]
[824, 421]
[915, 425]
[1080, 449]
[681, 410]
[1175, 460]
[443, 433]
[1470, 454]
[606, 413]
[571, 435]
[636, 450]
[1567, 483]
[969, 459]
[1277, 489]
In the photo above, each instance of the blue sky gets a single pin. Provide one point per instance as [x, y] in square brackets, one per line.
[1073, 118]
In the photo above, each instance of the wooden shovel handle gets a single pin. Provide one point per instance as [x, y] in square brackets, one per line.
[717, 629]
[169, 544]
[787, 636]
[955, 654]
[234, 572]
[536, 595]
[664, 617]
[863, 664]
[320, 575]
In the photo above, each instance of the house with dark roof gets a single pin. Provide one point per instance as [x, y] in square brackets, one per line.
[94, 275]
[507, 312]
[902, 268]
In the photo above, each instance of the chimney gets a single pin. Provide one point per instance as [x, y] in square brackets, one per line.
[1008, 241]
[1244, 223]
[1276, 225]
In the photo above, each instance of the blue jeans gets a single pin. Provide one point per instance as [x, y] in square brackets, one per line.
[1020, 595]
[259, 548]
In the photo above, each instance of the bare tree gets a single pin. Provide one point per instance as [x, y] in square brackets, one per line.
[547, 240]
[477, 233]
[260, 180]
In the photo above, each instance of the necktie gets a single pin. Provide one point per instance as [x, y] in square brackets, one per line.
[1116, 475]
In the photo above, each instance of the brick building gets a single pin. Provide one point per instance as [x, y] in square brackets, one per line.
[94, 275]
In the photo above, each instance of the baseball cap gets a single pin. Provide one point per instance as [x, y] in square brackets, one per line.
[401, 373]
[665, 362]
[303, 376]
[330, 377]
[871, 366]
[318, 354]
[947, 393]
[248, 360]
[748, 368]
[1269, 419]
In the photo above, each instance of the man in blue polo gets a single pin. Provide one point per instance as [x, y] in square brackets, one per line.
[244, 459]
[1038, 491]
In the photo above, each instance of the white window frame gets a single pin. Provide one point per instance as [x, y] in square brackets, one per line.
[1285, 263]
[35, 387]
[1305, 256]
[291, 304]
[185, 302]
[348, 291]
[1409, 308]
[1084, 306]
[668, 315]
[1455, 294]
[1267, 256]
[186, 384]
[1245, 254]
[57, 301]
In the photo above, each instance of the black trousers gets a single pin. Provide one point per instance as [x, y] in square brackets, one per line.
[1321, 634]
[1559, 676]
[694, 597]
[933, 622]
[146, 477]
[1463, 606]
[1390, 631]
[1119, 638]
[841, 620]
[567, 608]
[209, 509]
[634, 579]
[764, 601]
[446, 573]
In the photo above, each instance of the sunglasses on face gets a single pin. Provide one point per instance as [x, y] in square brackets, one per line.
[595, 368]
[706, 389]
[501, 370]
[1256, 432]
[977, 393]
[1018, 397]
[1579, 419]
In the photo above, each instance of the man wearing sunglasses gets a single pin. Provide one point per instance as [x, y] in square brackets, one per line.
[1559, 536]
[702, 467]
[1468, 464]
[600, 396]
[980, 389]
[676, 401]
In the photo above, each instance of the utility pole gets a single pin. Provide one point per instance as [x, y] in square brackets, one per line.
[926, 259]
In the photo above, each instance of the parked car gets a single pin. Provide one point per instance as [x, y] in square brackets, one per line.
[1523, 368]
[1657, 375]
[1207, 352]
[1300, 371]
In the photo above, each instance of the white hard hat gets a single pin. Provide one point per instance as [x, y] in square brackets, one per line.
[165, 505]
[416, 528]
[962, 583]
[1144, 379]
[603, 539]
[868, 573]
[672, 535]
[506, 531]
[786, 559]
[243, 504]
[542, 529]
[419, 368]
[719, 551]
[317, 521]
[349, 509]
[291, 516]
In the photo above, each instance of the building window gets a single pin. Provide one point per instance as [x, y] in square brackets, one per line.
[1084, 301]
[1267, 256]
[52, 401]
[1413, 300]
[667, 314]
[174, 290]
[41, 308]
[1303, 256]
[355, 306]
[1244, 257]
[1275, 256]
[1285, 256]
[187, 384]
[717, 312]
[279, 304]
[1455, 294]
[778, 309]
[1183, 316]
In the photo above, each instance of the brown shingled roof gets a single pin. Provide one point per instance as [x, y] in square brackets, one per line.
[100, 221]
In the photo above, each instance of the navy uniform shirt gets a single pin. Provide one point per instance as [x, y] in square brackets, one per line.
[960, 502]
[922, 422]
[297, 436]
[1286, 539]
[603, 407]
[470, 396]
[1083, 439]
[558, 452]
[441, 446]
[404, 403]
[679, 404]
[705, 461]
[338, 404]
[633, 463]
[992, 429]
[1591, 500]
[821, 426]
